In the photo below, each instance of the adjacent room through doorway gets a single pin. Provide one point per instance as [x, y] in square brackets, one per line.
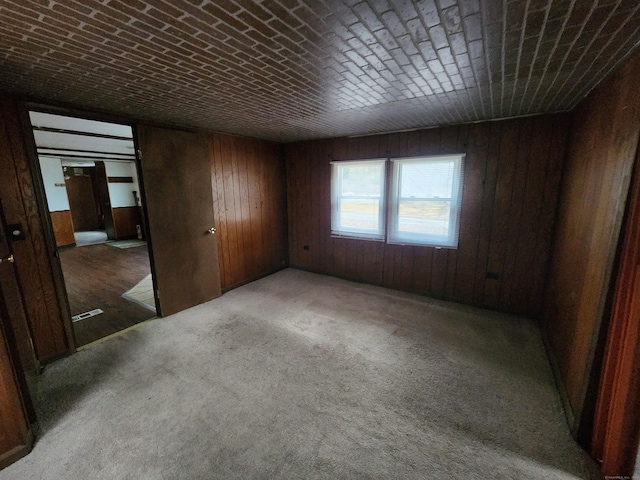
[91, 183]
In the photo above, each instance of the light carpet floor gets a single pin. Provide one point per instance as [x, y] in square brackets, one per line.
[305, 376]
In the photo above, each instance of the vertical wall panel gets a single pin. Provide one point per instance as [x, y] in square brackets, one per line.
[249, 194]
[601, 152]
[505, 198]
[471, 218]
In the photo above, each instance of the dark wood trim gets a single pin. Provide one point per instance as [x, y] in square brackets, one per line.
[59, 150]
[120, 179]
[81, 133]
[145, 216]
[84, 157]
[43, 213]
[46, 105]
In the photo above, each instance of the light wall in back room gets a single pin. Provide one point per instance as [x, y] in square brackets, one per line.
[57, 200]
[121, 194]
[54, 186]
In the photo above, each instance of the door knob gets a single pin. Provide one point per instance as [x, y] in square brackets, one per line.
[212, 230]
[8, 259]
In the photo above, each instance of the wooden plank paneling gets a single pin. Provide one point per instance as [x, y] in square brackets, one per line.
[125, 220]
[471, 214]
[249, 196]
[528, 166]
[180, 213]
[33, 259]
[500, 220]
[617, 424]
[498, 213]
[601, 152]
[62, 227]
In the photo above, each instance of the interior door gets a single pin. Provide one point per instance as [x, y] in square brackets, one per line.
[103, 199]
[15, 432]
[176, 184]
[82, 203]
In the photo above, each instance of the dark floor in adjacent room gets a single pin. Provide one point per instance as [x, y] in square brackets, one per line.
[96, 276]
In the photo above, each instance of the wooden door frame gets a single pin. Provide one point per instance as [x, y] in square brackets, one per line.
[47, 226]
[24, 107]
[616, 427]
[145, 217]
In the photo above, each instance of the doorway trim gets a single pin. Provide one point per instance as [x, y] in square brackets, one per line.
[43, 211]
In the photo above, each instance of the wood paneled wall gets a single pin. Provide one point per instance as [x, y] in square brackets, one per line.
[604, 139]
[511, 177]
[62, 227]
[617, 423]
[250, 206]
[125, 220]
[35, 261]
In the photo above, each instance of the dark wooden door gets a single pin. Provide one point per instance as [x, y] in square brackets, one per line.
[176, 182]
[15, 433]
[104, 200]
[82, 203]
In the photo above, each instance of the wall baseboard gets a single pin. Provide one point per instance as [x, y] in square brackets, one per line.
[564, 397]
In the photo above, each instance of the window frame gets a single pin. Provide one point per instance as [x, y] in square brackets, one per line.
[338, 230]
[393, 236]
[388, 214]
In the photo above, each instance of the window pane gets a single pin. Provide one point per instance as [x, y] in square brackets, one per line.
[358, 199]
[359, 213]
[433, 179]
[425, 203]
[424, 217]
[361, 181]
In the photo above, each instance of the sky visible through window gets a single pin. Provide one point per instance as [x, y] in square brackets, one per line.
[424, 193]
[425, 190]
[361, 190]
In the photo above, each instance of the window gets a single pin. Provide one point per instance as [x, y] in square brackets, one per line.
[423, 207]
[357, 208]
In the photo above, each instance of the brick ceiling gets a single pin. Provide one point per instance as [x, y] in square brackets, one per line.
[290, 70]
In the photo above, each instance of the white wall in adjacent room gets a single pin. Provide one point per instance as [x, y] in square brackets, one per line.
[54, 185]
[121, 194]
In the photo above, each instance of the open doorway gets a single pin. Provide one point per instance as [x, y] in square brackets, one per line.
[90, 176]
